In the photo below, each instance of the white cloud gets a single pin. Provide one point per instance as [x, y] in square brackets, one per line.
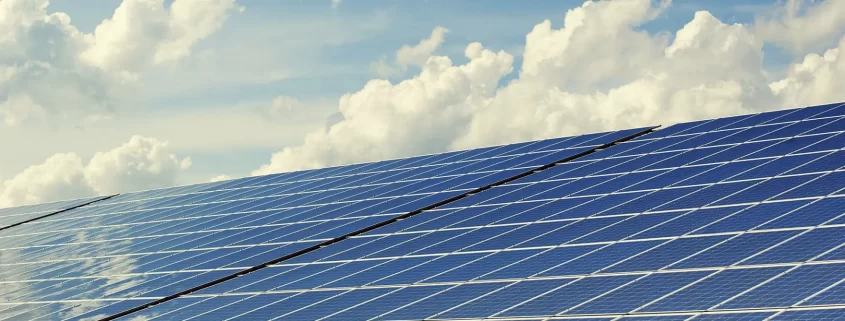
[190, 22]
[255, 131]
[598, 72]
[419, 54]
[598, 43]
[416, 55]
[143, 32]
[816, 80]
[711, 69]
[51, 70]
[220, 178]
[336, 3]
[141, 163]
[42, 71]
[414, 116]
[799, 26]
[282, 105]
[385, 69]
[59, 177]
[19, 107]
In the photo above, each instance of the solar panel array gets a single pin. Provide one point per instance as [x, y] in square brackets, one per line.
[130, 249]
[739, 218]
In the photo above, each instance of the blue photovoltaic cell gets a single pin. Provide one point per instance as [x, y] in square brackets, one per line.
[482, 266]
[285, 305]
[661, 227]
[441, 301]
[711, 291]
[336, 303]
[752, 217]
[804, 247]
[817, 213]
[638, 293]
[395, 300]
[16, 215]
[179, 309]
[832, 295]
[735, 249]
[656, 318]
[541, 262]
[811, 315]
[567, 297]
[792, 287]
[666, 253]
[690, 221]
[506, 297]
[601, 259]
[750, 316]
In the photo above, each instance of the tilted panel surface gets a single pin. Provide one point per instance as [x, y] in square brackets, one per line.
[737, 218]
[122, 252]
[11, 216]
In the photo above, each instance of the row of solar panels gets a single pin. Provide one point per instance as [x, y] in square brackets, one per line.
[737, 218]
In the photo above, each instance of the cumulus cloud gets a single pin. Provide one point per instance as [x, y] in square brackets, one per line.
[598, 72]
[59, 177]
[190, 22]
[417, 115]
[711, 69]
[142, 32]
[219, 178]
[18, 107]
[802, 25]
[418, 54]
[815, 80]
[140, 163]
[408, 55]
[49, 69]
[597, 43]
[41, 69]
[384, 68]
[281, 105]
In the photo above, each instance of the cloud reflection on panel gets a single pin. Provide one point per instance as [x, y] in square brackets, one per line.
[63, 269]
[40, 253]
[88, 258]
[106, 276]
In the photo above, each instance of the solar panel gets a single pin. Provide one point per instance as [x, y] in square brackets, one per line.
[14, 216]
[737, 218]
[134, 248]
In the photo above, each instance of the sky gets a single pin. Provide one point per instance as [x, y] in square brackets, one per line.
[108, 96]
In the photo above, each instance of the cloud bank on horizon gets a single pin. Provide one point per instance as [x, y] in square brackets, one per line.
[52, 72]
[140, 163]
[599, 71]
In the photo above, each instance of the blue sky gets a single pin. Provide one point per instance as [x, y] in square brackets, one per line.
[221, 101]
[377, 28]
